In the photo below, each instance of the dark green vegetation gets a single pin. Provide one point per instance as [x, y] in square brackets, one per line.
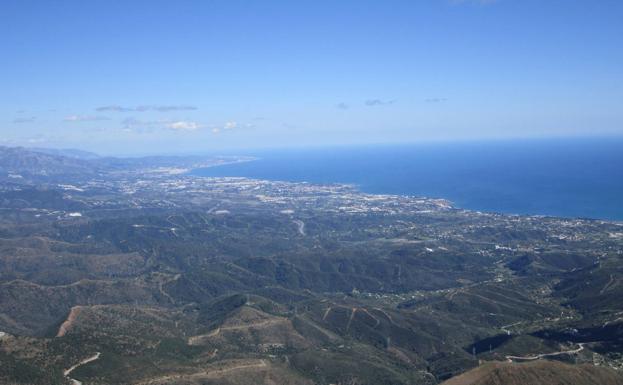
[184, 280]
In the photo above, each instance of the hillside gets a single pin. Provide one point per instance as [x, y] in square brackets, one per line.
[19, 164]
[143, 275]
[537, 373]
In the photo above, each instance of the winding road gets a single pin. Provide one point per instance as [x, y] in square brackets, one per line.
[539, 356]
[67, 372]
[300, 226]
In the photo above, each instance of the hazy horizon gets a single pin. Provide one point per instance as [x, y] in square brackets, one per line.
[255, 150]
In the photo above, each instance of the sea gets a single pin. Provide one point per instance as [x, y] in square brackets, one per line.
[581, 177]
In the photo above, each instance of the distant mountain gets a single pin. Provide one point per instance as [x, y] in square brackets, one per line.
[66, 152]
[20, 164]
[36, 165]
[537, 373]
[150, 162]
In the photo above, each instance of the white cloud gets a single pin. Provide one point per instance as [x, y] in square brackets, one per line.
[138, 125]
[184, 125]
[231, 125]
[84, 118]
[144, 126]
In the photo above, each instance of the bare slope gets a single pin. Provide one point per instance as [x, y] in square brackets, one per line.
[537, 373]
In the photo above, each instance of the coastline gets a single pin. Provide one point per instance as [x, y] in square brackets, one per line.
[523, 181]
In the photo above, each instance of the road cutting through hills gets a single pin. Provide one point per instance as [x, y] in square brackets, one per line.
[67, 372]
[210, 373]
[544, 355]
[326, 313]
[300, 226]
[196, 339]
[350, 319]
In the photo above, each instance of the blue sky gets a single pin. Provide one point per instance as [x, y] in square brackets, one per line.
[194, 76]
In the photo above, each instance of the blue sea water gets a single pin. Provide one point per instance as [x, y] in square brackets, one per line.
[568, 178]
